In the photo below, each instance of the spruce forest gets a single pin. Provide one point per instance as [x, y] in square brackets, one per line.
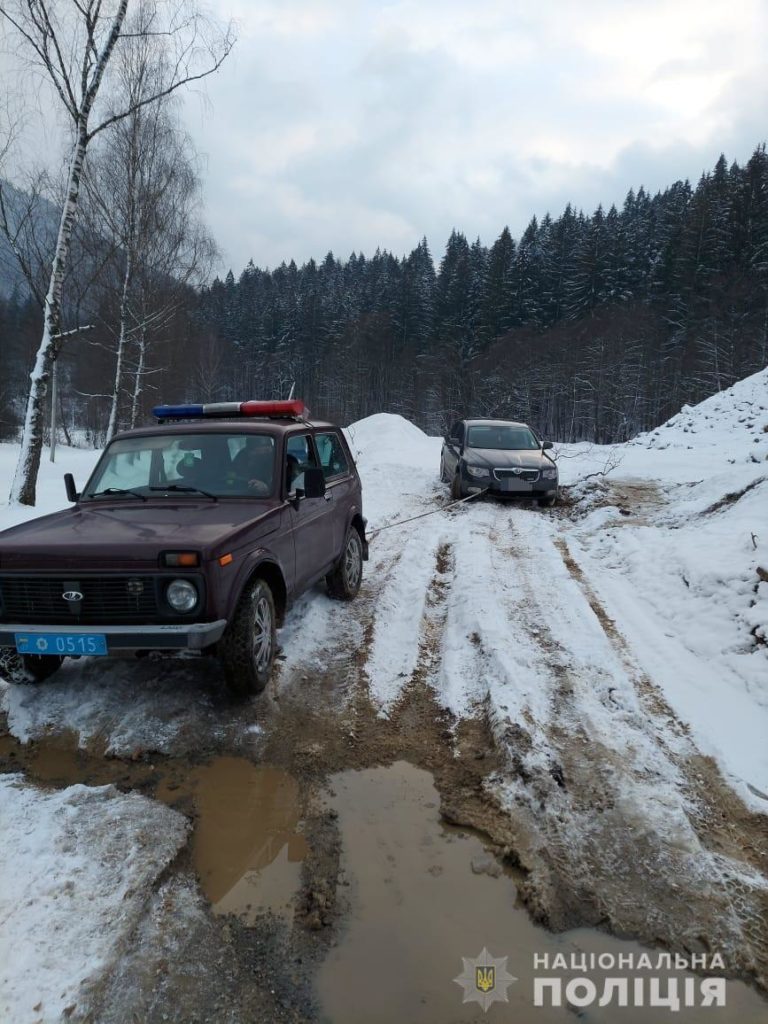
[588, 326]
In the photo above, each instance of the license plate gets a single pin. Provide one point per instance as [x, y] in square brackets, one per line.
[61, 643]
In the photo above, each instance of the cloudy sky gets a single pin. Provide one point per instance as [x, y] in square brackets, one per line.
[348, 125]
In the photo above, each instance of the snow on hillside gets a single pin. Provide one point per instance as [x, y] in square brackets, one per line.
[681, 573]
[726, 421]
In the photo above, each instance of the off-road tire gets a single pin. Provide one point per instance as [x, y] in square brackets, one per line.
[27, 668]
[344, 581]
[247, 649]
[548, 502]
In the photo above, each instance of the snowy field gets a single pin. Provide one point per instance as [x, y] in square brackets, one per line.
[612, 642]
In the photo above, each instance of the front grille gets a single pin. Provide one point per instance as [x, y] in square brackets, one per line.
[106, 599]
[529, 475]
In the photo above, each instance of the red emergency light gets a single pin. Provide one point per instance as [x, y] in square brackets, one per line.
[291, 407]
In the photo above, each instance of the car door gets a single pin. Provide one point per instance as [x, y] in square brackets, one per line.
[452, 448]
[340, 482]
[312, 520]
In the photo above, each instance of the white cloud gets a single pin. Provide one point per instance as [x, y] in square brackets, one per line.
[346, 125]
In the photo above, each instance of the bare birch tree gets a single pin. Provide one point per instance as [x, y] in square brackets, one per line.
[142, 196]
[71, 43]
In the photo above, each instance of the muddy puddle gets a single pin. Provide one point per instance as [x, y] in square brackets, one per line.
[246, 846]
[423, 896]
[413, 900]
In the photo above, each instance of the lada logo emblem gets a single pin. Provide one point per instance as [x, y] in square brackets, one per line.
[72, 596]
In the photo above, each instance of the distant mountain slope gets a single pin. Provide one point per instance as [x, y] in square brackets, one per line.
[40, 232]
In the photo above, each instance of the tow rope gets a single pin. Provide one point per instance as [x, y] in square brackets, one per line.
[458, 501]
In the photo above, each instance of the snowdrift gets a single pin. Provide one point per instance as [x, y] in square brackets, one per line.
[731, 421]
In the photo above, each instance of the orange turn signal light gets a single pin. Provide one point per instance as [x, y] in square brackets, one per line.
[181, 559]
[225, 559]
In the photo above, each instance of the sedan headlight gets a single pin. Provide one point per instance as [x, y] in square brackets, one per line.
[549, 474]
[478, 471]
[181, 595]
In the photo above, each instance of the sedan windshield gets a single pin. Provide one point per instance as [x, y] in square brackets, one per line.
[502, 437]
[212, 465]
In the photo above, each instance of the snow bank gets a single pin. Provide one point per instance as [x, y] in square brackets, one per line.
[728, 420]
[397, 462]
[389, 438]
[681, 572]
[76, 870]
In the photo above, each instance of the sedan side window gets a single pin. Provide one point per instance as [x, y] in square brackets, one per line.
[332, 456]
[300, 455]
[457, 433]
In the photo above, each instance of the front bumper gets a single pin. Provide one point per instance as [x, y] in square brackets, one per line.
[193, 636]
[509, 487]
[522, 489]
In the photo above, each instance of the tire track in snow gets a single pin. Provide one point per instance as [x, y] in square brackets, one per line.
[632, 789]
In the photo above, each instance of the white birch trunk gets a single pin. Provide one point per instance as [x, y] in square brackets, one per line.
[121, 343]
[23, 489]
[137, 381]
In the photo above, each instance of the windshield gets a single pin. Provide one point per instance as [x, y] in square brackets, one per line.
[216, 465]
[502, 437]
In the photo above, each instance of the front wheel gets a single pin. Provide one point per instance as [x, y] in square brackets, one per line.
[457, 491]
[549, 501]
[344, 582]
[444, 478]
[27, 668]
[248, 646]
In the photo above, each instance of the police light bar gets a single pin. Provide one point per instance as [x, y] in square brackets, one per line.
[293, 408]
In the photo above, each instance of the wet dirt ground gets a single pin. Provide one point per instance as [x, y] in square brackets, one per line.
[331, 895]
[343, 859]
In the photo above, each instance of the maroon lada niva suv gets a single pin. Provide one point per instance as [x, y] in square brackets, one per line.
[194, 534]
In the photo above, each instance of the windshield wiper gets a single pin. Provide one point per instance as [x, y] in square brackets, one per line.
[187, 490]
[118, 490]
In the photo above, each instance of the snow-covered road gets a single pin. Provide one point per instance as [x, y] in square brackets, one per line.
[613, 648]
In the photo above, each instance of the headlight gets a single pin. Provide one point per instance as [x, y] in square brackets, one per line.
[478, 471]
[181, 595]
[549, 474]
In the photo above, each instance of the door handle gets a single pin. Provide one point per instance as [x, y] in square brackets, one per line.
[328, 495]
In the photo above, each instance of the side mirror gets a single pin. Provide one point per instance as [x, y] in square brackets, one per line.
[314, 482]
[547, 444]
[69, 483]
